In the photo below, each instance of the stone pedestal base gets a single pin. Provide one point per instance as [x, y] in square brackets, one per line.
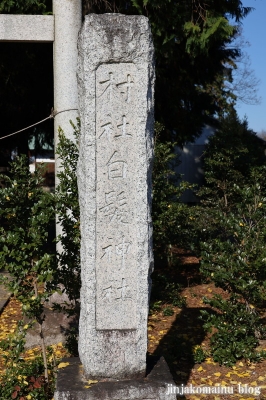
[71, 385]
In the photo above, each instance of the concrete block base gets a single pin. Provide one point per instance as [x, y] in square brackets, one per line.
[71, 384]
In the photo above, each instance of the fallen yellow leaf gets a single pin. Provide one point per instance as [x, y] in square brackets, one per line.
[90, 381]
[217, 374]
[63, 365]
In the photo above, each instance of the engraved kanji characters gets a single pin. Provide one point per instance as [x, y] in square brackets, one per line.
[107, 131]
[107, 292]
[117, 167]
[121, 291]
[115, 208]
[109, 87]
[107, 253]
[115, 134]
[126, 87]
[120, 251]
[116, 291]
[108, 91]
[123, 128]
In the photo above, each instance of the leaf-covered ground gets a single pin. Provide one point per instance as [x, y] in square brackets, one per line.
[8, 323]
[176, 337]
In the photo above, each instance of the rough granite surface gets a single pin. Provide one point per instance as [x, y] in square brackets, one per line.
[116, 104]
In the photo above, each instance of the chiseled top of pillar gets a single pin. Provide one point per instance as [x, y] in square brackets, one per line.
[116, 36]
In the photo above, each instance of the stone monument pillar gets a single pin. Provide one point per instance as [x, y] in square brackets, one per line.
[116, 77]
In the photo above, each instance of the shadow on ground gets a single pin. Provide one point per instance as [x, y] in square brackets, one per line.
[178, 345]
[186, 332]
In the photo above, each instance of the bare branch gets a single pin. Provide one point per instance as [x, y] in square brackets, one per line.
[244, 83]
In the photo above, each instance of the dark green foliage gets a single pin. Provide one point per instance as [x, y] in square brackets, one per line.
[67, 209]
[236, 258]
[238, 327]
[168, 311]
[26, 212]
[232, 228]
[165, 291]
[199, 354]
[25, 6]
[191, 52]
[170, 216]
[67, 277]
[228, 159]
